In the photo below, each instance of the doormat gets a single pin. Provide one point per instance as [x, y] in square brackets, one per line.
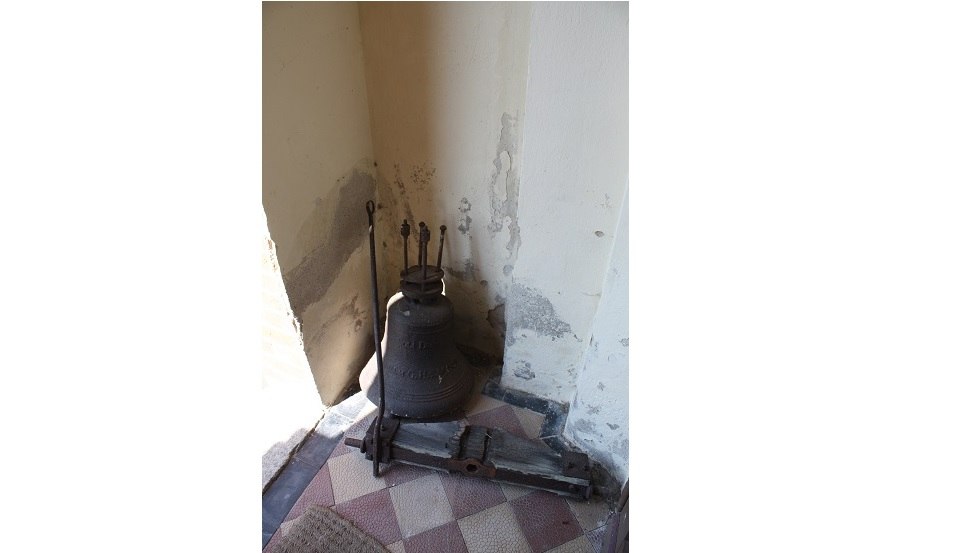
[322, 530]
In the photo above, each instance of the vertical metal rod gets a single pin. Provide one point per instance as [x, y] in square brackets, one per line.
[406, 230]
[421, 228]
[442, 238]
[377, 342]
[425, 256]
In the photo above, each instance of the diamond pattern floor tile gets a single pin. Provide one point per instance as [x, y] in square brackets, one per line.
[397, 473]
[442, 539]
[546, 520]
[352, 476]
[531, 421]
[590, 514]
[272, 542]
[494, 530]
[375, 514]
[415, 510]
[483, 403]
[580, 544]
[468, 495]
[421, 505]
[595, 538]
[499, 417]
[318, 492]
[512, 492]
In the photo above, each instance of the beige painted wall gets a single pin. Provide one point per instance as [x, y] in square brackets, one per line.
[317, 173]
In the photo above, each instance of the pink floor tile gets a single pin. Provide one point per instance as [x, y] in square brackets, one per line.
[468, 495]
[482, 403]
[397, 473]
[442, 539]
[546, 520]
[499, 417]
[531, 421]
[373, 513]
[580, 544]
[273, 541]
[590, 514]
[318, 492]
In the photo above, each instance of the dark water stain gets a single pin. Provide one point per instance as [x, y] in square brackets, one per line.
[531, 310]
[625, 342]
[497, 317]
[612, 426]
[599, 233]
[335, 241]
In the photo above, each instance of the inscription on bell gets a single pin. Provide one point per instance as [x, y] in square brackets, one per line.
[417, 345]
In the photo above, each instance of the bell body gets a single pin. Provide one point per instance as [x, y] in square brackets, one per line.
[425, 375]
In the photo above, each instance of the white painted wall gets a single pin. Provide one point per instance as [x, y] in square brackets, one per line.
[598, 418]
[317, 173]
[573, 183]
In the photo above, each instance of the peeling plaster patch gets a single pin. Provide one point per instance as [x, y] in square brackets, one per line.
[334, 238]
[508, 269]
[625, 342]
[504, 186]
[533, 311]
[524, 371]
[599, 233]
[467, 273]
[592, 409]
[465, 220]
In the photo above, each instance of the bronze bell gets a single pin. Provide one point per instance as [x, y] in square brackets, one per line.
[425, 375]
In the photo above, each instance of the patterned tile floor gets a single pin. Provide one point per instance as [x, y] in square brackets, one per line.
[415, 510]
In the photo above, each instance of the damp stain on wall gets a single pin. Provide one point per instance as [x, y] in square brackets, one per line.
[464, 219]
[334, 229]
[467, 273]
[531, 310]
